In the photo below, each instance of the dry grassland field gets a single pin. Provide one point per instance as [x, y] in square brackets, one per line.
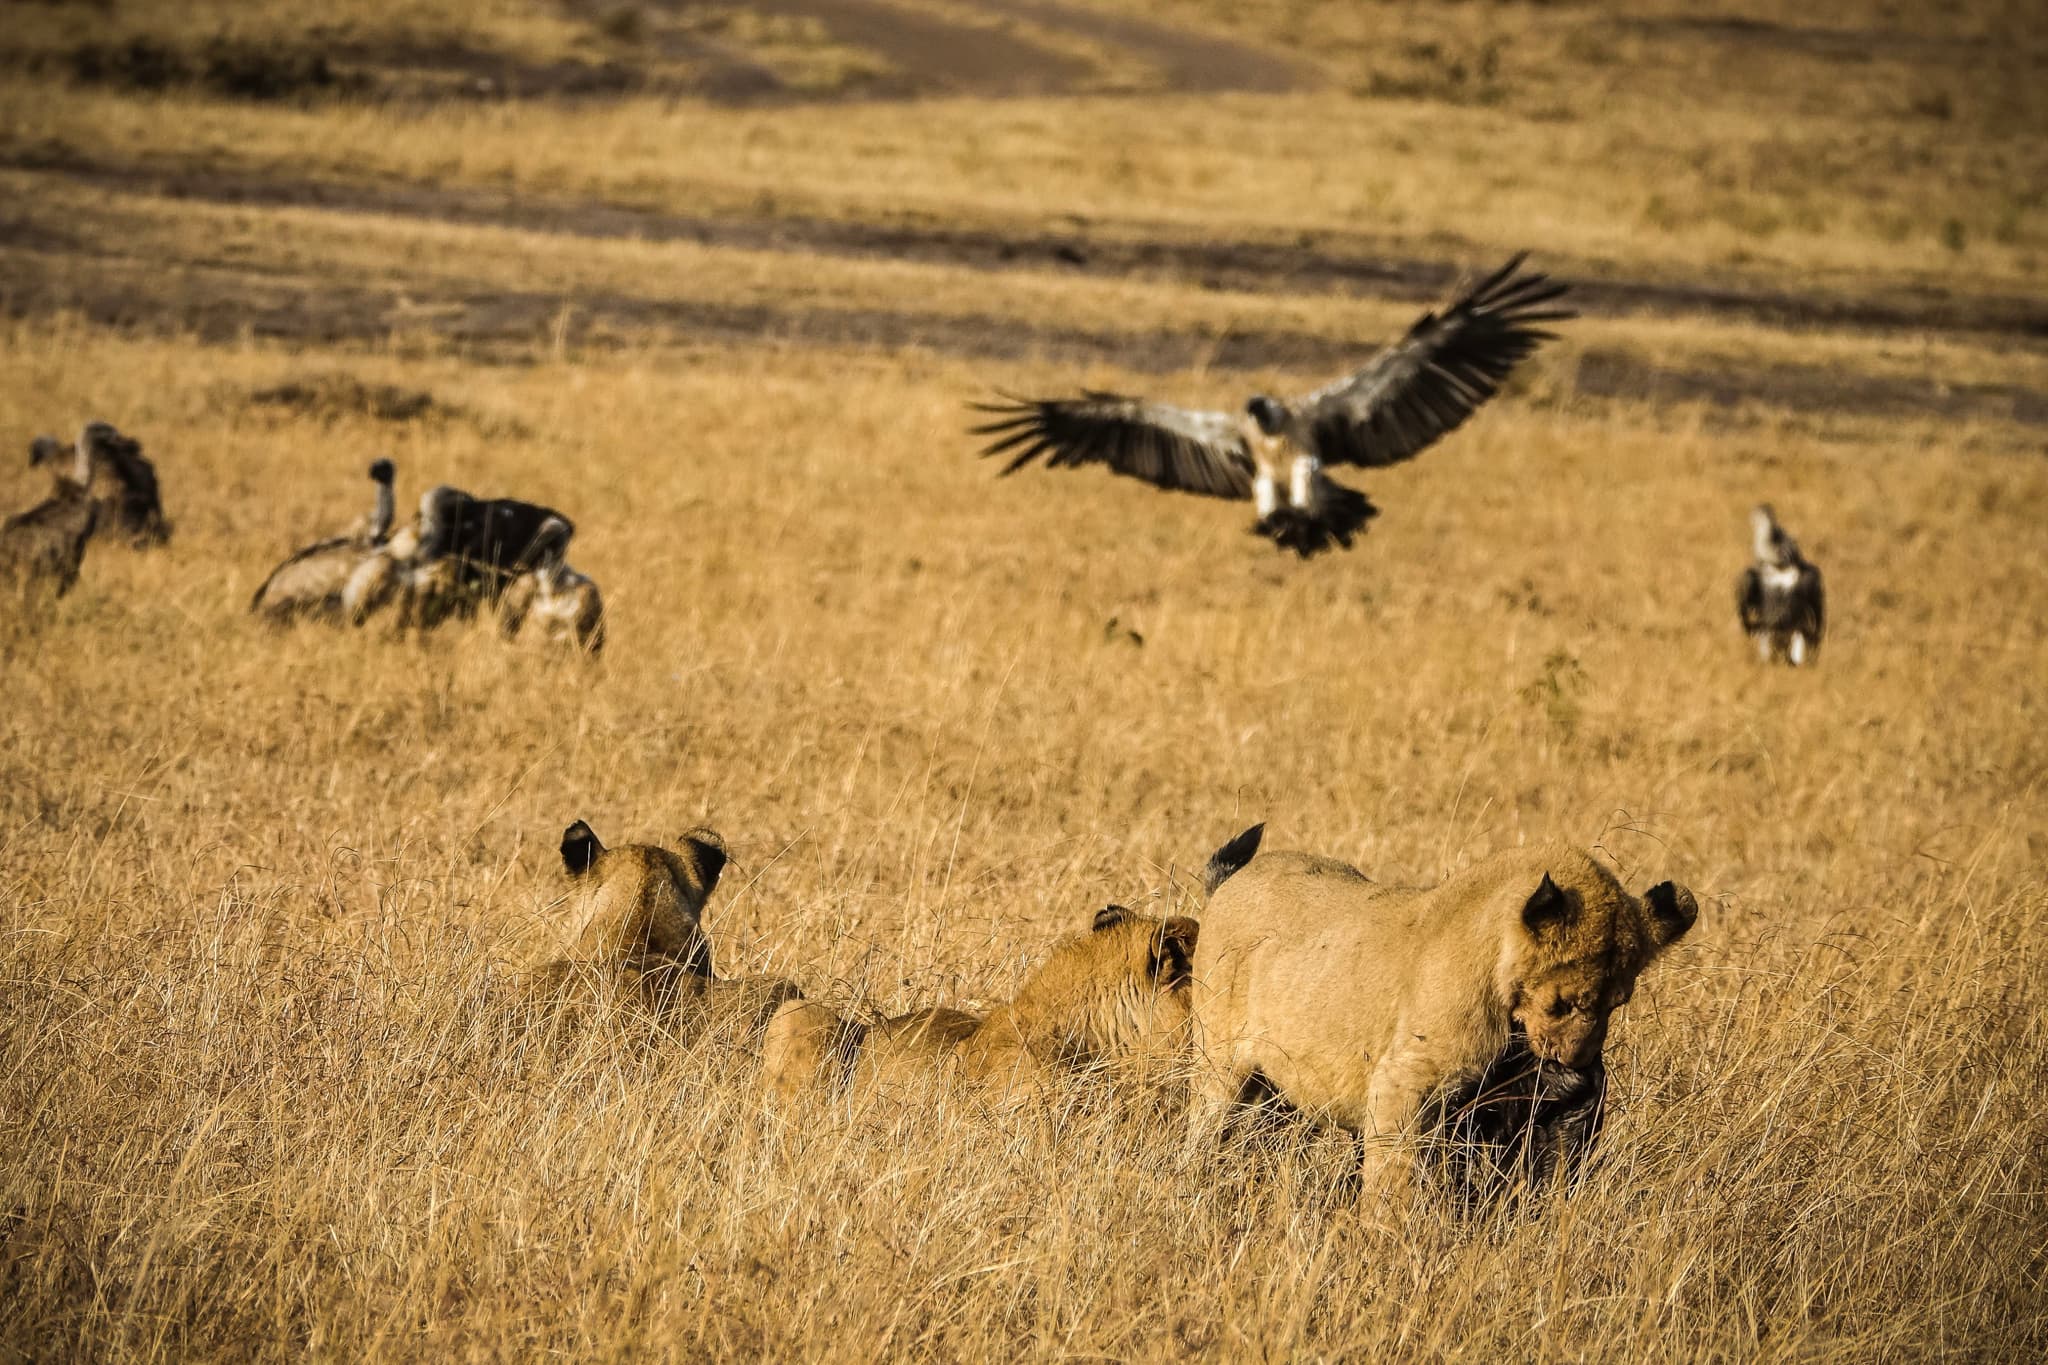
[719, 281]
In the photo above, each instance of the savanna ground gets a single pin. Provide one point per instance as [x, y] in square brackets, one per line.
[717, 281]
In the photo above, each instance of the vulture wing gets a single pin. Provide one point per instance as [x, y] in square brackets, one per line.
[1749, 600]
[1426, 384]
[1810, 602]
[1199, 452]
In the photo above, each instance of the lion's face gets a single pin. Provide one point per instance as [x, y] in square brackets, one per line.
[642, 900]
[1564, 1013]
[1123, 983]
[1584, 943]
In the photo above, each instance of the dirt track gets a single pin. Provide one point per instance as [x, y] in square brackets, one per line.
[919, 53]
[1329, 263]
[48, 274]
[929, 53]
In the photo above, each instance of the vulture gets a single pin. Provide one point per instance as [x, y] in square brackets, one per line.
[1404, 399]
[311, 583]
[559, 603]
[471, 549]
[1779, 597]
[117, 476]
[47, 542]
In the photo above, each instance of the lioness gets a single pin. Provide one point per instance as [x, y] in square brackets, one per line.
[639, 926]
[1371, 1006]
[1112, 991]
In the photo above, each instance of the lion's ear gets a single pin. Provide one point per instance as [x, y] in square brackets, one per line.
[1548, 908]
[1109, 917]
[1672, 912]
[580, 848]
[709, 851]
[1173, 956]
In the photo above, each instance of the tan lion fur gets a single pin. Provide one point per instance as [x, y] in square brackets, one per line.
[1116, 991]
[1358, 1003]
[637, 931]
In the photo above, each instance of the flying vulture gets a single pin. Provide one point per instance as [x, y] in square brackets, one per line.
[1780, 598]
[1405, 398]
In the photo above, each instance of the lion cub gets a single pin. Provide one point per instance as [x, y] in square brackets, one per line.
[639, 926]
[1368, 1005]
[1114, 991]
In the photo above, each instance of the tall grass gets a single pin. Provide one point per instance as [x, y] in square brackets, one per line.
[263, 893]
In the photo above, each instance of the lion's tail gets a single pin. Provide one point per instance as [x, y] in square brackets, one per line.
[1228, 859]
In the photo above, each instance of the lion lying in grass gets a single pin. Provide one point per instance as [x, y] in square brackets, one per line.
[639, 931]
[1392, 1012]
[1115, 991]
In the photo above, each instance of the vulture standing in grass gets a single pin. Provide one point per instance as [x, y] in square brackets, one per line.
[1780, 598]
[46, 544]
[460, 552]
[311, 583]
[553, 601]
[1407, 397]
[117, 476]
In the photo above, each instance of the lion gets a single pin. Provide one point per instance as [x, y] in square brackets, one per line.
[1115, 992]
[639, 929]
[1388, 1012]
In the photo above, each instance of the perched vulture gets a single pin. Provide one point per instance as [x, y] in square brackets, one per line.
[554, 601]
[116, 475]
[1404, 399]
[1780, 598]
[312, 582]
[47, 542]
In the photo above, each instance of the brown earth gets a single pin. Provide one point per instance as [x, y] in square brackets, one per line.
[918, 53]
[1318, 263]
[218, 301]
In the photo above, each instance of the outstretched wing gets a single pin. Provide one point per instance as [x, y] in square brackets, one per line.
[1812, 602]
[1201, 452]
[1426, 384]
[1749, 600]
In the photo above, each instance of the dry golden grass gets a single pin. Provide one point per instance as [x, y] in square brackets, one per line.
[263, 895]
[262, 886]
[1824, 196]
[1636, 138]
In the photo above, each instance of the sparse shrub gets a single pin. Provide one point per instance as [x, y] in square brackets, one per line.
[330, 396]
[265, 71]
[139, 64]
[233, 68]
[624, 24]
[1429, 71]
[1934, 105]
[1555, 691]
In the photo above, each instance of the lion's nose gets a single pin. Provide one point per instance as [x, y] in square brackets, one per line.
[1586, 1051]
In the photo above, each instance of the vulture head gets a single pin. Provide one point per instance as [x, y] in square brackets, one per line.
[1269, 413]
[1772, 543]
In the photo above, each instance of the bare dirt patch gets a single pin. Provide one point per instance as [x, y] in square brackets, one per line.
[1186, 61]
[1314, 263]
[221, 302]
[343, 395]
[932, 56]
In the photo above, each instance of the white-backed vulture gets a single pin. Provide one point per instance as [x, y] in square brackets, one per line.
[556, 603]
[1779, 597]
[46, 544]
[460, 552]
[312, 582]
[1407, 397]
[118, 477]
